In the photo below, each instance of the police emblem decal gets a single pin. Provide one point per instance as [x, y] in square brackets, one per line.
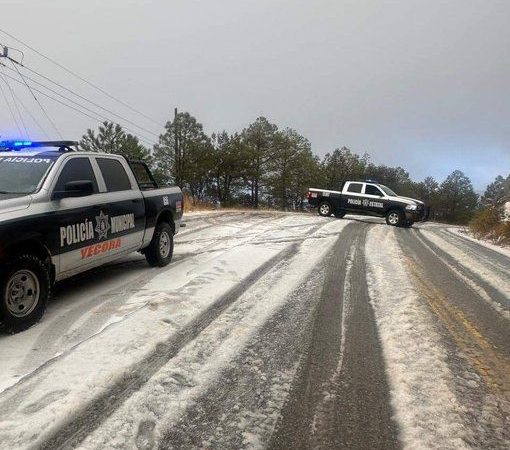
[102, 226]
[365, 202]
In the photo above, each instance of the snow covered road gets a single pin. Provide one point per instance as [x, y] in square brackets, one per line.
[272, 330]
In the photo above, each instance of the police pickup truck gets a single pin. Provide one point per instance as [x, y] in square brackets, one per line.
[63, 212]
[368, 198]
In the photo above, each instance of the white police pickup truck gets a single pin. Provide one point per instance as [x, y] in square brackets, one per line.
[63, 212]
[368, 198]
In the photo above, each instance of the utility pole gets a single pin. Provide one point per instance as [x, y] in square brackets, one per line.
[176, 151]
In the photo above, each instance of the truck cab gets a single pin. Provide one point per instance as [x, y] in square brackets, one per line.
[368, 198]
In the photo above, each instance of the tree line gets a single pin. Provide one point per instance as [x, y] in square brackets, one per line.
[265, 165]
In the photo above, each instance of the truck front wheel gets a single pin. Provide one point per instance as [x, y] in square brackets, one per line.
[161, 249]
[395, 218]
[325, 209]
[24, 292]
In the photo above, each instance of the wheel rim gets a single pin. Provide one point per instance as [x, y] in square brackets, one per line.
[324, 209]
[393, 218]
[22, 293]
[164, 245]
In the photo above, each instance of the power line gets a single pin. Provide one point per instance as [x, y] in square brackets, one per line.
[9, 106]
[82, 98]
[15, 105]
[37, 101]
[97, 119]
[101, 116]
[27, 110]
[81, 78]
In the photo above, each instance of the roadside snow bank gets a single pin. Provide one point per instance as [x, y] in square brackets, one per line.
[425, 406]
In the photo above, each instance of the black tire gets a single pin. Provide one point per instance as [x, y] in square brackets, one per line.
[339, 214]
[395, 218]
[408, 224]
[325, 209]
[159, 254]
[25, 288]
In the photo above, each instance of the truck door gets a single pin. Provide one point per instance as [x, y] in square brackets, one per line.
[124, 204]
[373, 199]
[74, 218]
[352, 196]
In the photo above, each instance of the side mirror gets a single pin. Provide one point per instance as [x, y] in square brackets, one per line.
[79, 188]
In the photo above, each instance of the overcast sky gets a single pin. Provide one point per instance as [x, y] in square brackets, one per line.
[422, 84]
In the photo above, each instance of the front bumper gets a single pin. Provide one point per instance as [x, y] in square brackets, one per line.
[420, 215]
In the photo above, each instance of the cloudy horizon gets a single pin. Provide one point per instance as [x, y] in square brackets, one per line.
[420, 84]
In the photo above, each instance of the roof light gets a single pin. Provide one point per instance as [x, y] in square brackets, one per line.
[15, 145]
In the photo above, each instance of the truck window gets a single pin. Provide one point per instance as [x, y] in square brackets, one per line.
[373, 190]
[142, 175]
[22, 175]
[76, 169]
[355, 187]
[114, 174]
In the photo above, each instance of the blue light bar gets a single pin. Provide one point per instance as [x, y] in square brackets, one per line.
[15, 145]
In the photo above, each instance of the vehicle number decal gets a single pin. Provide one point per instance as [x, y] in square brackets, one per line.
[166, 202]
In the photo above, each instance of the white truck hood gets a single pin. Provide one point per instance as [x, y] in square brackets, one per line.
[10, 203]
[405, 200]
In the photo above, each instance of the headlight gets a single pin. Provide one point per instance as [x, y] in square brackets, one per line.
[411, 207]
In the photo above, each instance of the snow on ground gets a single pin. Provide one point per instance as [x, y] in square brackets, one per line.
[86, 304]
[205, 268]
[488, 270]
[166, 397]
[459, 231]
[425, 406]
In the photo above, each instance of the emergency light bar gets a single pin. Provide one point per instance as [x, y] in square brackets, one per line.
[19, 145]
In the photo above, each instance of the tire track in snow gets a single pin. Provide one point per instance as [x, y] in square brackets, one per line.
[49, 338]
[91, 415]
[498, 261]
[496, 265]
[478, 343]
[426, 410]
[340, 399]
[236, 371]
[494, 289]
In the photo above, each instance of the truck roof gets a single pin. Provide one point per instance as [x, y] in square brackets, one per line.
[48, 153]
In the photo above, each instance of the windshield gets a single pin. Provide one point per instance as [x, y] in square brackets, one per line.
[22, 174]
[388, 191]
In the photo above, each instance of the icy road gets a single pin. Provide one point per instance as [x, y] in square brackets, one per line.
[272, 330]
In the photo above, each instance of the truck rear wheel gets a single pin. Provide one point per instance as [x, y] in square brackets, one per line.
[395, 218]
[24, 292]
[161, 249]
[339, 214]
[325, 209]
